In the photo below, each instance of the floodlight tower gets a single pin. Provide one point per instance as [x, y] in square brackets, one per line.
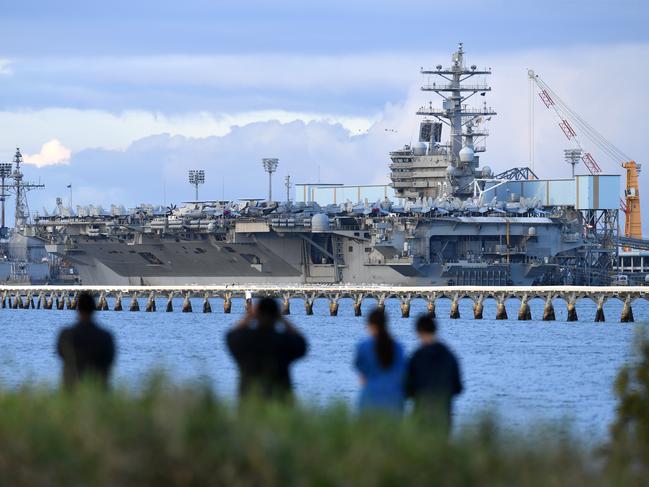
[572, 157]
[270, 166]
[196, 177]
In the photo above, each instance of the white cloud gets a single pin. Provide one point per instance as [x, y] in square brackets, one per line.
[575, 72]
[306, 141]
[82, 129]
[5, 67]
[52, 153]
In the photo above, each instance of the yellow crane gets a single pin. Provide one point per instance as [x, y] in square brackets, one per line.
[631, 203]
[571, 123]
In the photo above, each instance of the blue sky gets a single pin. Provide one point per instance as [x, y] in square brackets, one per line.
[160, 27]
[120, 98]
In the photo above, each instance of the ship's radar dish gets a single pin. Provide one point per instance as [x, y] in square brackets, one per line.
[419, 149]
[320, 222]
[467, 154]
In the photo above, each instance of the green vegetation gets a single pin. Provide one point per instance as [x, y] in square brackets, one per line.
[170, 435]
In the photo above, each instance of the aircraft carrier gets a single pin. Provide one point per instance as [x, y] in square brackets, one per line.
[451, 221]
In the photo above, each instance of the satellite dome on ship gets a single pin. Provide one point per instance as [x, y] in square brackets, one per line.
[320, 223]
[467, 154]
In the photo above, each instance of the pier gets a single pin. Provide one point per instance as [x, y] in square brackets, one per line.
[143, 298]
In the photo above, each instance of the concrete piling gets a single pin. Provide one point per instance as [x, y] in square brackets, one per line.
[478, 308]
[405, 309]
[501, 310]
[60, 297]
[572, 310]
[187, 304]
[118, 303]
[308, 306]
[548, 310]
[524, 312]
[599, 314]
[135, 305]
[430, 308]
[207, 307]
[455, 308]
[358, 310]
[102, 305]
[150, 304]
[333, 307]
[286, 306]
[627, 312]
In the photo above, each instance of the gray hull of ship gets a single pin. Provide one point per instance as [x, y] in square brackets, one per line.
[268, 259]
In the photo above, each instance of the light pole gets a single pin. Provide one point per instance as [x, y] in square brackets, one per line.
[572, 156]
[196, 177]
[270, 166]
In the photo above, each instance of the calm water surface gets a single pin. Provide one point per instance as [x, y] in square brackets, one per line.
[524, 371]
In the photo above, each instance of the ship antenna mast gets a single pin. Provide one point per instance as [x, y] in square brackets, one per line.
[5, 173]
[454, 113]
[21, 188]
[288, 184]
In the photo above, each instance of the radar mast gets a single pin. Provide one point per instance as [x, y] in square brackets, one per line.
[431, 168]
[461, 119]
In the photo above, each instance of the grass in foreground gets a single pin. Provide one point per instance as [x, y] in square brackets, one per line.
[170, 435]
[184, 436]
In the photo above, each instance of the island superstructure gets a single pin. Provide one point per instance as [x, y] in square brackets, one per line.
[431, 169]
[452, 221]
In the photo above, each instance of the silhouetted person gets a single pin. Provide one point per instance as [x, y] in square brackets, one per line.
[264, 345]
[86, 349]
[380, 362]
[433, 377]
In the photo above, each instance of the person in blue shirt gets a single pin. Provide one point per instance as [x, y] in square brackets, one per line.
[380, 362]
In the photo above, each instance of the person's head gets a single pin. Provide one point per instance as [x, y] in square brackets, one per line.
[426, 328]
[377, 326]
[85, 306]
[267, 312]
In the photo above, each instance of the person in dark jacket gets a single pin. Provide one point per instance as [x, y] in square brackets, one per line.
[264, 345]
[433, 376]
[86, 349]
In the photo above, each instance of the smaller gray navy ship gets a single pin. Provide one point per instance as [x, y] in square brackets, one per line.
[452, 221]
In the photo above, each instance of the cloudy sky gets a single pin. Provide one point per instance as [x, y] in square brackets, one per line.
[120, 98]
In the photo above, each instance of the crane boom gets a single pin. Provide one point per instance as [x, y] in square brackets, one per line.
[571, 123]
